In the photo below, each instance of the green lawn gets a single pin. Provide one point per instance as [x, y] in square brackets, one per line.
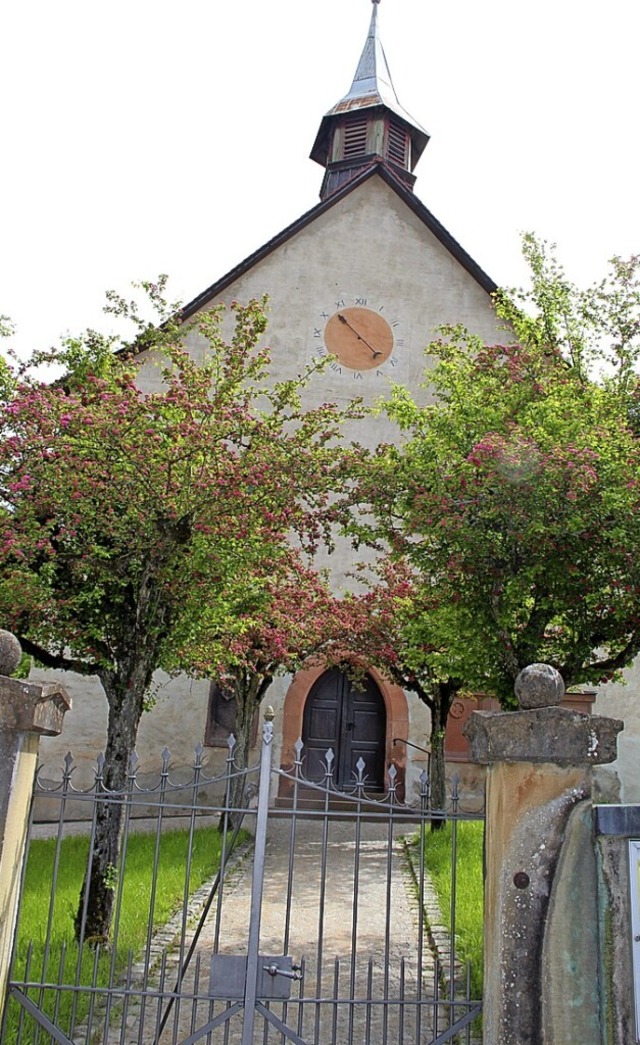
[469, 889]
[134, 893]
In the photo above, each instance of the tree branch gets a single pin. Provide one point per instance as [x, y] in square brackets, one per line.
[57, 661]
[621, 659]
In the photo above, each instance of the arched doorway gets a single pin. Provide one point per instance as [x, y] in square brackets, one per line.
[350, 718]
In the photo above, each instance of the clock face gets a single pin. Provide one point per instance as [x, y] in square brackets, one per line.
[359, 336]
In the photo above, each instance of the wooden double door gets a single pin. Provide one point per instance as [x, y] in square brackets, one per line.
[348, 717]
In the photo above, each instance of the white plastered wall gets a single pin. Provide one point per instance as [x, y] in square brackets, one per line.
[622, 701]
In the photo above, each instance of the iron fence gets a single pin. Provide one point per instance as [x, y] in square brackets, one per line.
[312, 921]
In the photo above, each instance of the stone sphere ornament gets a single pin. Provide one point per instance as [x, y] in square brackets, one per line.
[10, 653]
[539, 686]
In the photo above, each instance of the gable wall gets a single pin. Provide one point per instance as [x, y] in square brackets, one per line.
[369, 244]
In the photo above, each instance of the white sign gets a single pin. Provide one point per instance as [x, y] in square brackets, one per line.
[634, 877]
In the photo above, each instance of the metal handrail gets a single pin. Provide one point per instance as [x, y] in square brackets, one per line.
[425, 750]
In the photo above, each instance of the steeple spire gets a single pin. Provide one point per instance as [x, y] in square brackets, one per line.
[368, 123]
[373, 78]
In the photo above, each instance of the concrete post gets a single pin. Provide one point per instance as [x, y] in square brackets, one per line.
[27, 712]
[541, 925]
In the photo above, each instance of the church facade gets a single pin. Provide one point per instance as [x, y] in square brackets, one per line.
[367, 275]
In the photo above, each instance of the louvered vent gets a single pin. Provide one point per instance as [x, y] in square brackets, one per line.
[355, 138]
[397, 144]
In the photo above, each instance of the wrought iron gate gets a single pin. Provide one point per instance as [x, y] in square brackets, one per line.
[319, 929]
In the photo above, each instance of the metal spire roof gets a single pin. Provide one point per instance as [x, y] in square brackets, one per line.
[372, 86]
[372, 83]
[372, 75]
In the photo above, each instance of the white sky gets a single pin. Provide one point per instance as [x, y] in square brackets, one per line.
[140, 136]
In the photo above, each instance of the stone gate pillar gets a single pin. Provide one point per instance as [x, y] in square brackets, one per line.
[541, 925]
[27, 712]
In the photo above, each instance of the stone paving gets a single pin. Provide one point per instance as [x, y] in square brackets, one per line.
[363, 958]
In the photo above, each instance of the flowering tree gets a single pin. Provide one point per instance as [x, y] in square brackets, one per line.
[596, 330]
[122, 512]
[516, 497]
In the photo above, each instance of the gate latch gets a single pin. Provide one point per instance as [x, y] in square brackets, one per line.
[294, 973]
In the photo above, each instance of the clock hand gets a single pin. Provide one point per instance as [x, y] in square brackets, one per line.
[374, 352]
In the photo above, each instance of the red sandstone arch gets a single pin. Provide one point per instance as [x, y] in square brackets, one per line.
[397, 719]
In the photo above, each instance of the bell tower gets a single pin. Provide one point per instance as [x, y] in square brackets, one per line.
[368, 125]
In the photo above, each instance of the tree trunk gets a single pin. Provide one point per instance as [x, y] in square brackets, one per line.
[126, 701]
[241, 761]
[248, 694]
[443, 695]
[437, 765]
